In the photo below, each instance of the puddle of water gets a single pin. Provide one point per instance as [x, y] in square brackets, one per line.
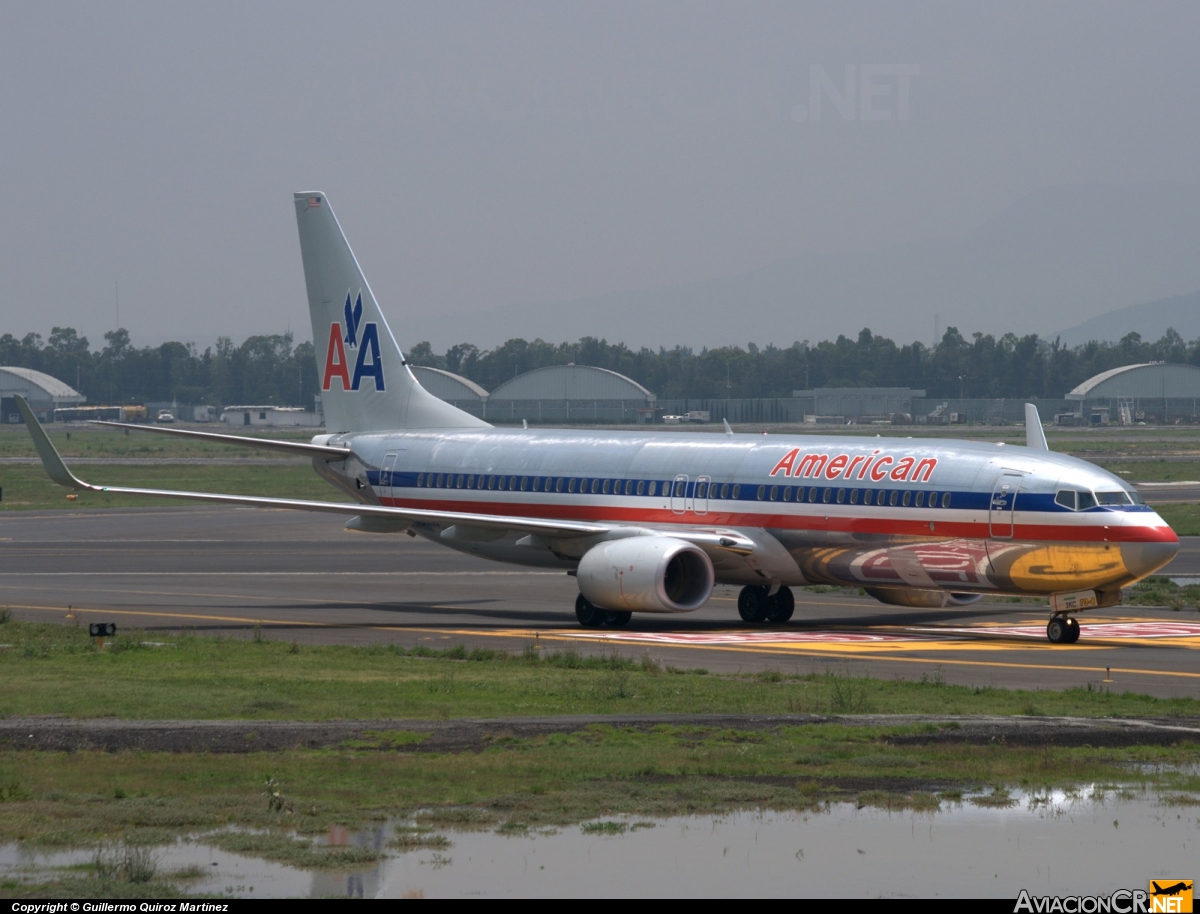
[1052, 843]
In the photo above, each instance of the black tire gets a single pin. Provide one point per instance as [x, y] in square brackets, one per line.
[589, 616]
[614, 619]
[781, 606]
[1072, 631]
[1056, 631]
[752, 604]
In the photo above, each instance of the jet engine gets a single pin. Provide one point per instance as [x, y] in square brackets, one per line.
[923, 598]
[646, 573]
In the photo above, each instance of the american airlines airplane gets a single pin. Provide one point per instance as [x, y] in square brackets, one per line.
[652, 521]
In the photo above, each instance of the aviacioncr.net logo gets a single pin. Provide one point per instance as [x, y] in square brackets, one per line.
[360, 340]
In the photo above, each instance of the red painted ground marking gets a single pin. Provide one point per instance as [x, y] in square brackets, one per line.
[1092, 630]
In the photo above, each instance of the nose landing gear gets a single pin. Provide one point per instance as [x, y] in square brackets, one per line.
[1062, 630]
[757, 604]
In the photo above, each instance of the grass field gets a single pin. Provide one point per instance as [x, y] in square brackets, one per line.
[509, 782]
[56, 669]
[82, 441]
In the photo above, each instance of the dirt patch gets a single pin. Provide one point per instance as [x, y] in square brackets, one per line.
[466, 735]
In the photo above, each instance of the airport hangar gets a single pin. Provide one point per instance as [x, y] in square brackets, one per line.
[43, 392]
[557, 393]
[1157, 392]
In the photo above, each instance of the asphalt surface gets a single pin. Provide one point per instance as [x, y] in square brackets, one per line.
[298, 576]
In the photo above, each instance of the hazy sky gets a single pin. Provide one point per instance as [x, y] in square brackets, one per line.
[483, 154]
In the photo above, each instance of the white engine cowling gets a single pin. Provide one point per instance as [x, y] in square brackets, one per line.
[646, 573]
[922, 598]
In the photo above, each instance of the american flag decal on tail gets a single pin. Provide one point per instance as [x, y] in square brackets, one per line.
[314, 201]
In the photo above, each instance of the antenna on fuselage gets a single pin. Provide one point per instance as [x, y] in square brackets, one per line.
[728, 430]
[1035, 435]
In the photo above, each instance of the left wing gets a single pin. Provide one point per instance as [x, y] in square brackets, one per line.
[556, 529]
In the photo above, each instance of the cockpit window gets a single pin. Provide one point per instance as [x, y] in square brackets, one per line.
[1135, 498]
[1086, 500]
[1065, 498]
[1113, 498]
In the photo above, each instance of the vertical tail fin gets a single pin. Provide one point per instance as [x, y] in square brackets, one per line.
[365, 383]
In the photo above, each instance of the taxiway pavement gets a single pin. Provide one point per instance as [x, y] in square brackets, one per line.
[296, 576]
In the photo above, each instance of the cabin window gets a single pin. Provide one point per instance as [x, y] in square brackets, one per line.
[491, 482]
[893, 498]
[512, 483]
[724, 490]
[827, 495]
[906, 499]
[441, 481]
[1112, 498]
[920, 499]
[1086, 500]
[558, 484]
[537, 484]
[471, 481]
[774, 493]
[841, 496]
[762, 493]
[737, 491]
[607, 486]
[812, 493]
[945, 499]
[702, 490]
[506, 484]
[854, 496]
[1066, 499]
[459, 481]
[524, 483]
[420, 480]
[787, 493]
[641, 487]
[570, 485]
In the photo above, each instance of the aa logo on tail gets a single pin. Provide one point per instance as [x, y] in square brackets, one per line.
[364, 345]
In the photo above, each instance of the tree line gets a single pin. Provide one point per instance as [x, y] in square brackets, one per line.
[272, 369]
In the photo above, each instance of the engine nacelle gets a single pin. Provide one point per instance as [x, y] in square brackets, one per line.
[646, 573]
[922, 598]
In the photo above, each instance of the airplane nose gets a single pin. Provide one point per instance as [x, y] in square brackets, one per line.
[1142, 559]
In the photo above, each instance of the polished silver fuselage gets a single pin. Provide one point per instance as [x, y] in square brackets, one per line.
[945, 514]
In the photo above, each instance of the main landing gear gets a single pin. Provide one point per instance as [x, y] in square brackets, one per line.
[1062, 630]
[757, 604]
[592, 616]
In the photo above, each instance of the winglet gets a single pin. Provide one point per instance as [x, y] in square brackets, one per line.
[55, 468]
[1035, 435]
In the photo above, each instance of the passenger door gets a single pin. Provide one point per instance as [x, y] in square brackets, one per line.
[385, 476]
[1003, 504]
[679, 494]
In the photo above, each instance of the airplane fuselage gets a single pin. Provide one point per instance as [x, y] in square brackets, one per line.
[890, 513]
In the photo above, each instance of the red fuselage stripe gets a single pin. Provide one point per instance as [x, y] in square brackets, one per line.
[1057, 533]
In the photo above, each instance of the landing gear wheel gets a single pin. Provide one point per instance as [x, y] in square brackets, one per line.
[614, 619]
[781, 606]
[753, 604]
[1058, 631]
[1072, 631]
[589, 615]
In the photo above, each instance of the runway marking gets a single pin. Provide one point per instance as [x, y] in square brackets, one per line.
[1093, 630]
[566, 635]
[733, 637]
[177, 615]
